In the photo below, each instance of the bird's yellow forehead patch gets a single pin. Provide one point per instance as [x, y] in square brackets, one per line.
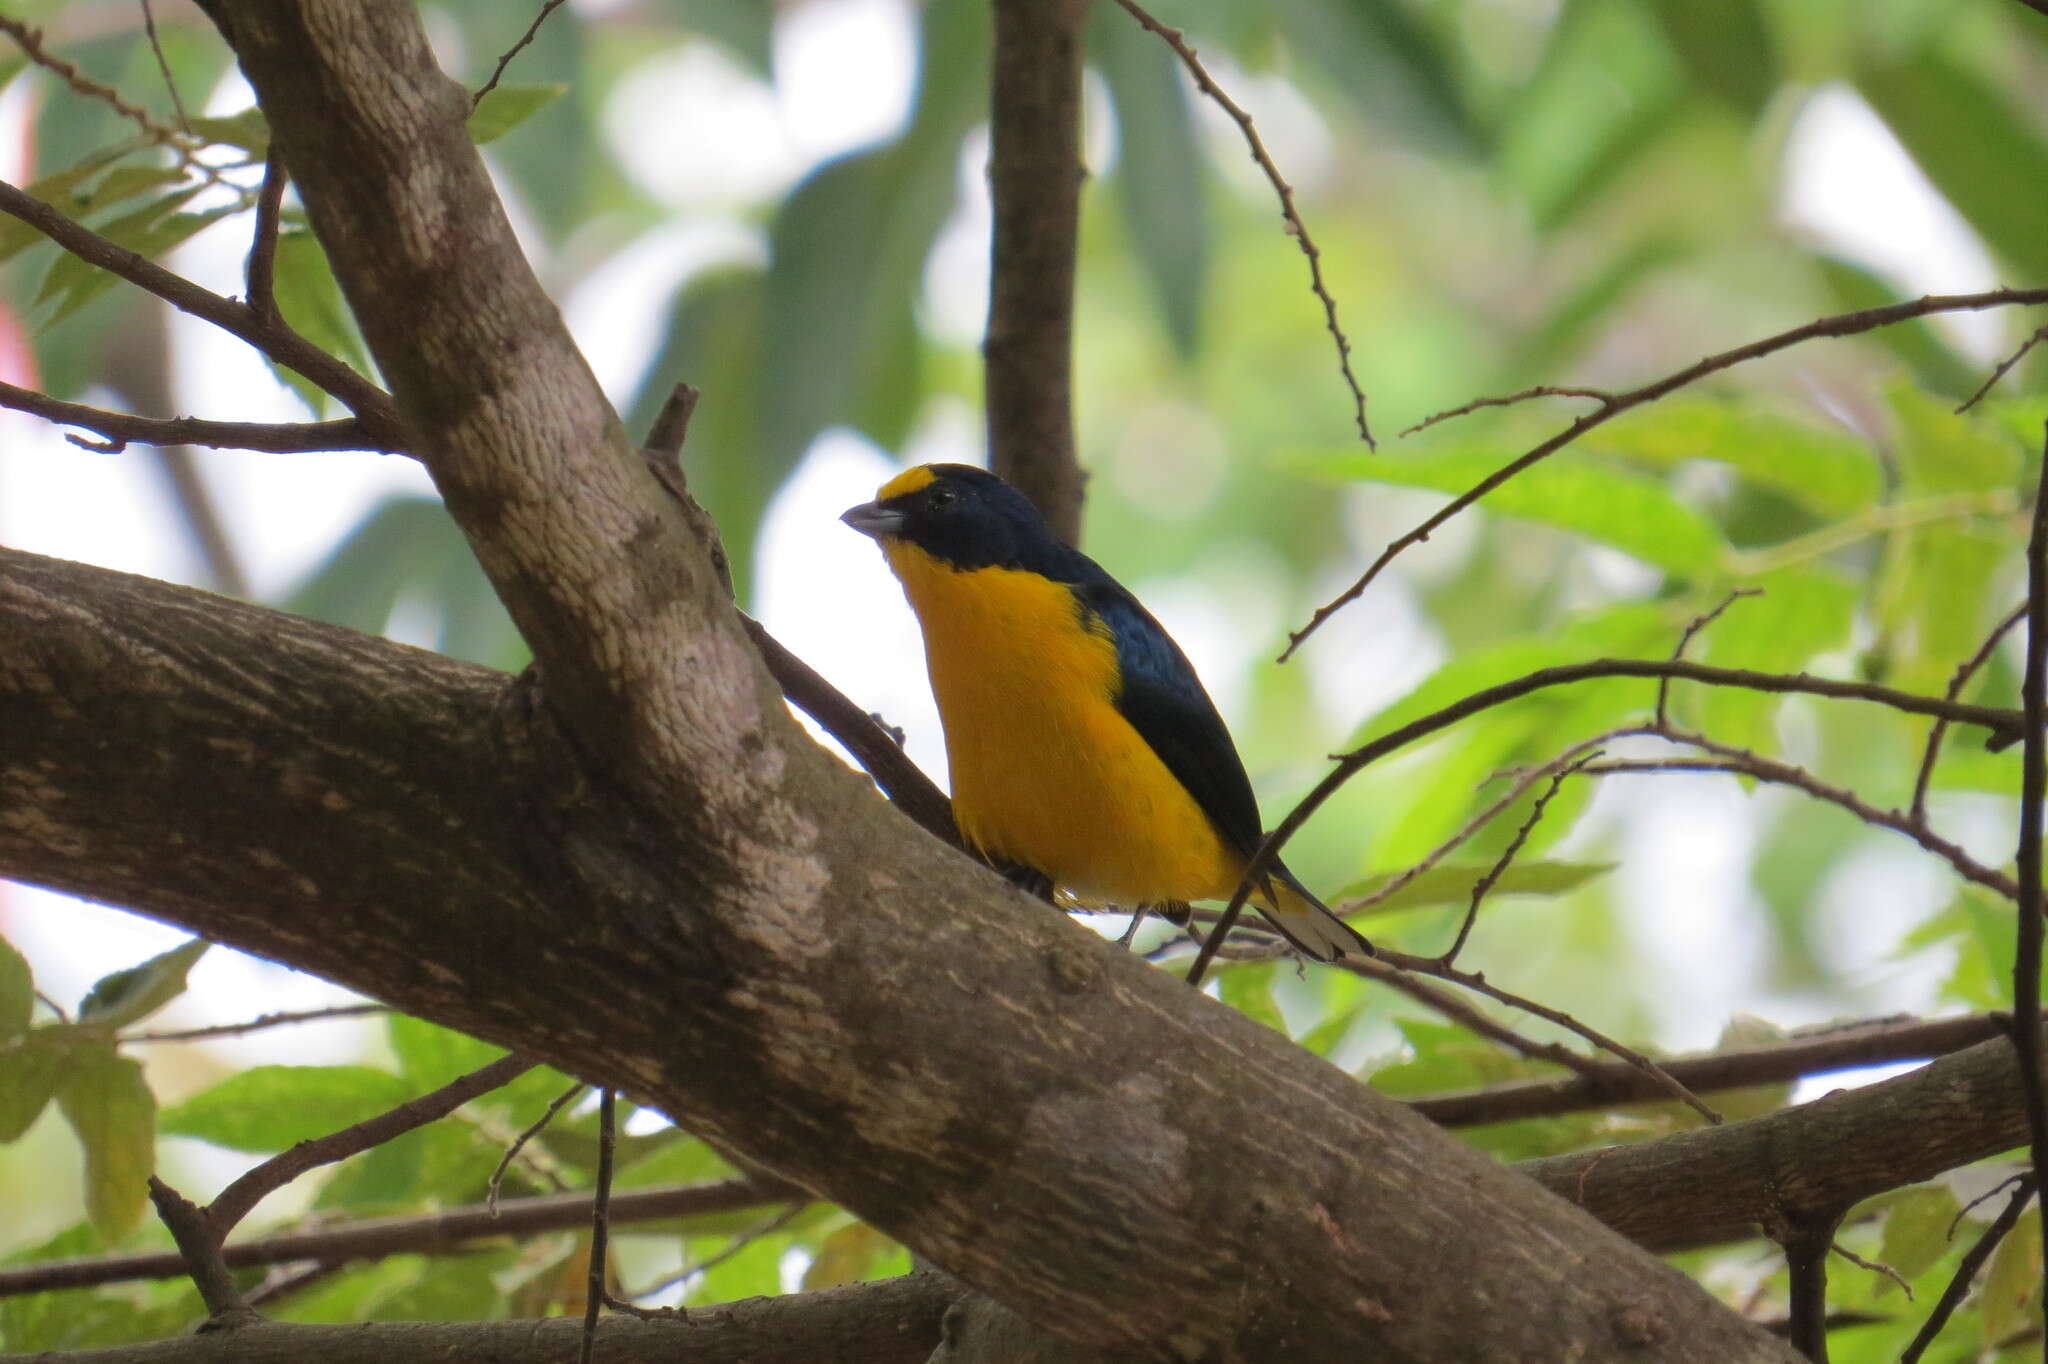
[909, 481]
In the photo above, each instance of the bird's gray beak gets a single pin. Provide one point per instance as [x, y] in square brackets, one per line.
[872, 518]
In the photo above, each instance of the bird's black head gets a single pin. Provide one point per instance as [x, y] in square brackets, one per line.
[962, 516]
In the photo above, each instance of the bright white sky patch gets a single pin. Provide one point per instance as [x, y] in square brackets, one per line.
[1849, 183]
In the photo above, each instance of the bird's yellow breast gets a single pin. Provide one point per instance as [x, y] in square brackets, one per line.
[1046, 771]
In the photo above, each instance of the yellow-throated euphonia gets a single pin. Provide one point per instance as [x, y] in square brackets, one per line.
[1081, 742]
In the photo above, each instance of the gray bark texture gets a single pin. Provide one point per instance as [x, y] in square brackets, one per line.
[635, 865]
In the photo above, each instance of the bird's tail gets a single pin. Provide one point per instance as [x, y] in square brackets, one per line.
[1305, 921]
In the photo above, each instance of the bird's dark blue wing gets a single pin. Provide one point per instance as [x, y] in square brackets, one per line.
[1165, 703]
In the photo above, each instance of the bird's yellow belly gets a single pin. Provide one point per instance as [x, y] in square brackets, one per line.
[1046, 772]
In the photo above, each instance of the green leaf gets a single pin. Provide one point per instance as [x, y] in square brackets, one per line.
[17, 993]
[61, 190]
[249, 130]
[1943, 452]
[1613, 506]
[1919, 343]
[847, 251]
[1605, 91]
[134, 994]
[150, 231]
[1401, 74]
[2013, 1282]
[1451, 883]
[844, 1256]
[1248, 988]
[430, 1055]
[1983, 155]
[1916, 1231]
[114, 1115]
[1158, 169]
[1725, 46]
[1804, 611]
[310, 299]
[31, 1069]
[269, 1108]
[1827, 470]
[508, 106]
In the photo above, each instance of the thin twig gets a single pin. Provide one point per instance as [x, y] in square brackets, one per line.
[531, 29]
[1840, 324]
[164, 65]
[1966, 1271]
[1994, 1191]
[1297, 229]
[1523, 781]
[1507, 857]
[258, 1024]
[1600, 396]
[191, 1228]
[1605, 1084]
[1875, 1267]
[440, 1232]
[1465, 1016]
[740, 1242]
[1963, 674]
[30, 40]
[2004, 724]
[1477, 981]
[117, 429]
[2026, 971]
[260, 286]
[234, 1202]
[1693, 627]
[2040, 335]
[370, 403]
[600, 1220]
[284, 1283]
[1742, 761]
[519, 1142]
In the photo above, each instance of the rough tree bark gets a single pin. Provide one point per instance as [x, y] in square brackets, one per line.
[641, 870]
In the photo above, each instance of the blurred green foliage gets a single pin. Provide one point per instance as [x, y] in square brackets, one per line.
[1506, 193]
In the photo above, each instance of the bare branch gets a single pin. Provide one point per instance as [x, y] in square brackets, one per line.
[191, 1229]
[1692, 628]
[1841, 324]
[429, 1233]
[1967, 670]
[2026, 971]
[371, 404]
[30, 40]
[533, 1129]
[119, 428]
[1035, 178]
[1966, 1271]
[1296, 228]
[1601, 396]
[276, 1020]
[1507, 857]
[233, 1203]
[531, 29]
[260, 288]
[1605, 1083]
[163, 65]
[2040, 335]
[1806, 1259]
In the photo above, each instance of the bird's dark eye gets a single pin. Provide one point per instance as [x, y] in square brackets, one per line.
[941, 496]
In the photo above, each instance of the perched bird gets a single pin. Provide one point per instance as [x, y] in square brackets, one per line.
[1082, 744]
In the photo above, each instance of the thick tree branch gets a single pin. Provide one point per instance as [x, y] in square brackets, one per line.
[409, 825]
[1035, 177]
[643, 872]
